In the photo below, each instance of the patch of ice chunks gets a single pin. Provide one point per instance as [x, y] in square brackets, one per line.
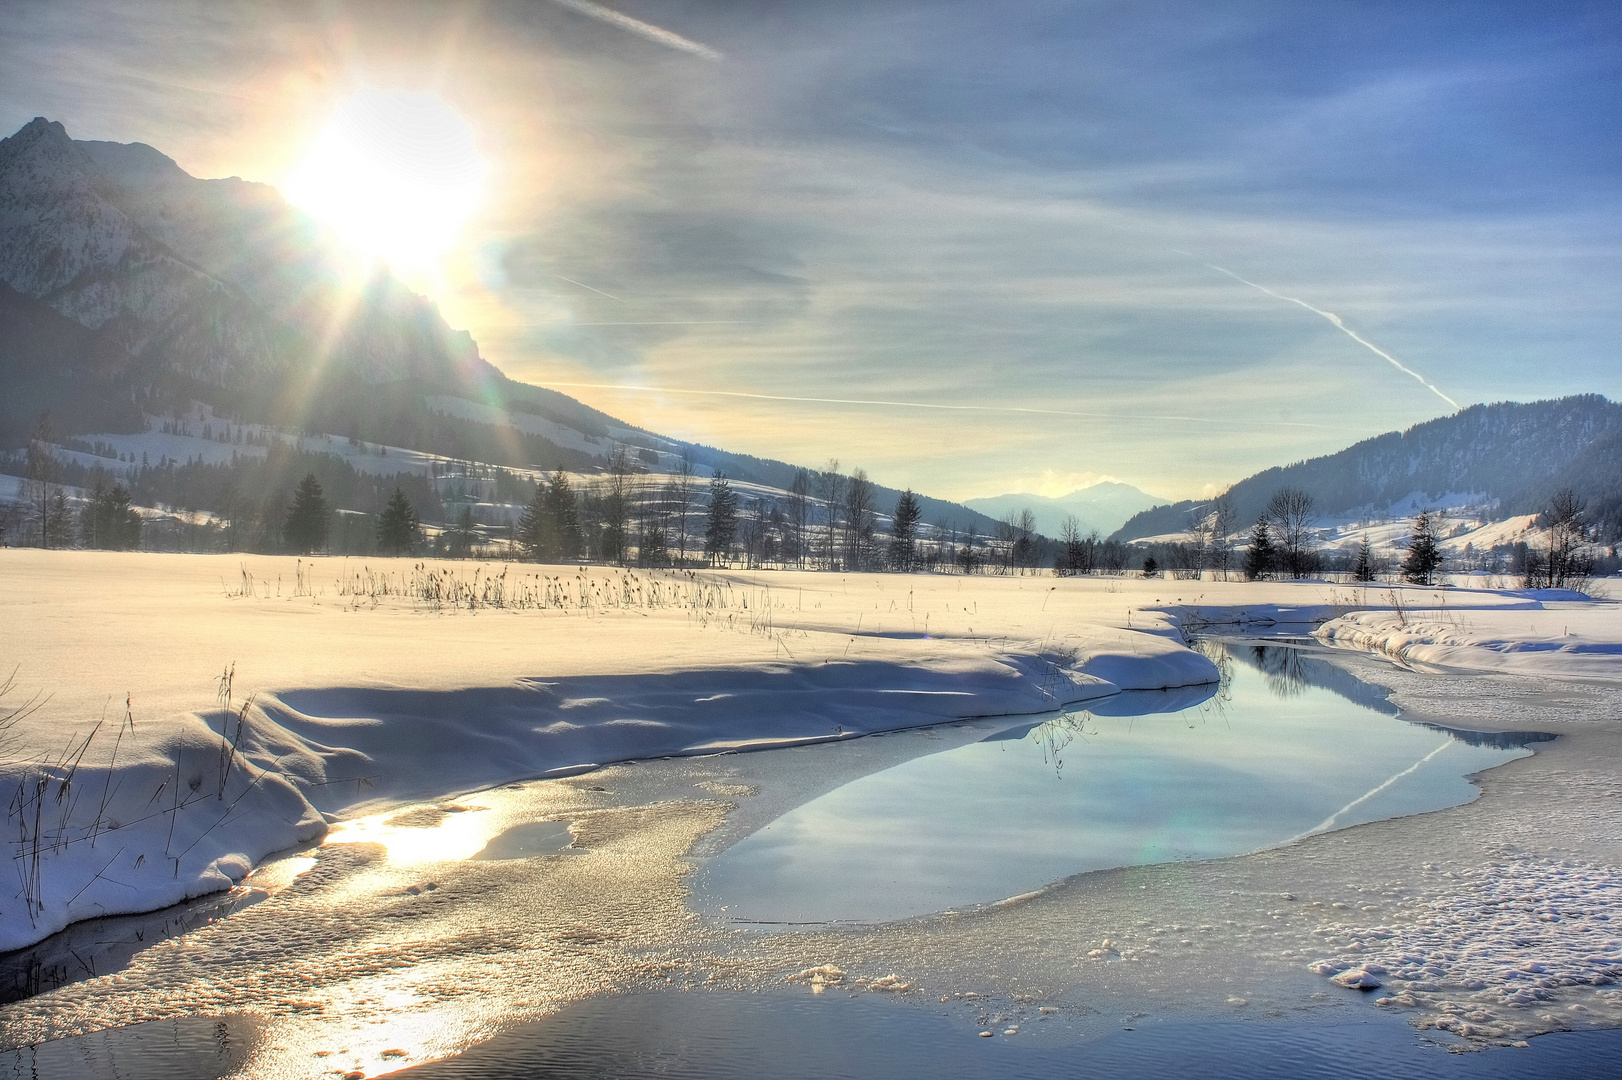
[1507, 936]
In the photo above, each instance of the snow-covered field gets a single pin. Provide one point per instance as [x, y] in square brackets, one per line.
[364, 686]
[359, 685]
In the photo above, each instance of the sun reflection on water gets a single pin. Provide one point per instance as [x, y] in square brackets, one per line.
[415, 837]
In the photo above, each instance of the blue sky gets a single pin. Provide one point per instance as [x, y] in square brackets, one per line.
[1005, 215]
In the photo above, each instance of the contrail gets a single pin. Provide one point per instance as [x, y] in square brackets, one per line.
[928, 405]
[583, 285]
[1329, 821]
[1343, 328]
[638, 27]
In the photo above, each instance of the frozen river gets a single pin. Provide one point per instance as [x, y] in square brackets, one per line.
[1142, 777]
[1063, 884]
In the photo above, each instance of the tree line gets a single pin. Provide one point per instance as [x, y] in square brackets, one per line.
[827, 519]
[1284, 542]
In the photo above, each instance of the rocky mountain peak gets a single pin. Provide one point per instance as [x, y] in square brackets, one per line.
[216, 281]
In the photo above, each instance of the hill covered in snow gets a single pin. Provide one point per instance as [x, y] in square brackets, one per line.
[1497, 461]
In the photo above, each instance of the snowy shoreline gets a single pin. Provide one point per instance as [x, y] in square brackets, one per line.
[361, 703]
[133, 813]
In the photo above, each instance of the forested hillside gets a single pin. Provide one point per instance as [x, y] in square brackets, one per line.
[1508, 456]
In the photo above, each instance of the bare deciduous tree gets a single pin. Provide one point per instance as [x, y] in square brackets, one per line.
[831, 490]
[799, 516]
[1224, 520]
[1290, 512]
[859, 519]
[679, 497]
[1566, 568]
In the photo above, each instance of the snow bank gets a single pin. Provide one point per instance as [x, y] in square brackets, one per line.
[149, 814]
[135, 817]
[366, 701]
[1545, 634]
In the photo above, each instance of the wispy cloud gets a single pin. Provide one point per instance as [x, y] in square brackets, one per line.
[1017, 409]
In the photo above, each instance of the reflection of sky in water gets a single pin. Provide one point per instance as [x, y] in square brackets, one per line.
[1268, 758]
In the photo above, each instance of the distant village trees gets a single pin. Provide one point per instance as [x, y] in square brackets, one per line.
[627, 504]
[108, 521]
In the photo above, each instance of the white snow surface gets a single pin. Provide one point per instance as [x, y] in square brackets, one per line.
[1550, 632]
[364, 685]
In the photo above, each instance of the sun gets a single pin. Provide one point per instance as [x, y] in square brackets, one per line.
[398, 175]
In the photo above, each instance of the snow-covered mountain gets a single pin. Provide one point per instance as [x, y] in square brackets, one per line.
[185, 283]
[1101, 508]
[1499, 460]
[165, 318]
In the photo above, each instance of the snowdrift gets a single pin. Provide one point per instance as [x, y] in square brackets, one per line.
[392, 704]
[1547, 634]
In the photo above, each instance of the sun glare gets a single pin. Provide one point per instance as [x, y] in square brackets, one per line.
[397, 175]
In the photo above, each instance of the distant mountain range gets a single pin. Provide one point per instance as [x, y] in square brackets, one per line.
[1507, 458]
[130, 289]
[1100, 508]
[131, 292]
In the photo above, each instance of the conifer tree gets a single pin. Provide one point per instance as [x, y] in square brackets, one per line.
[309, 518]
[903, 532]
[108, 520]
[463, 534]
[722, 524]
[58, 523]
[1424, 556]
[534, 526]
[397, 526]
[1364, 570]
[1260, 555]
[564, 513]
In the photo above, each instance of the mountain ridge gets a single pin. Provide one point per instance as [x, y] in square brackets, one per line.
[130, 289]
[1508, 457]
[1102, 507]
